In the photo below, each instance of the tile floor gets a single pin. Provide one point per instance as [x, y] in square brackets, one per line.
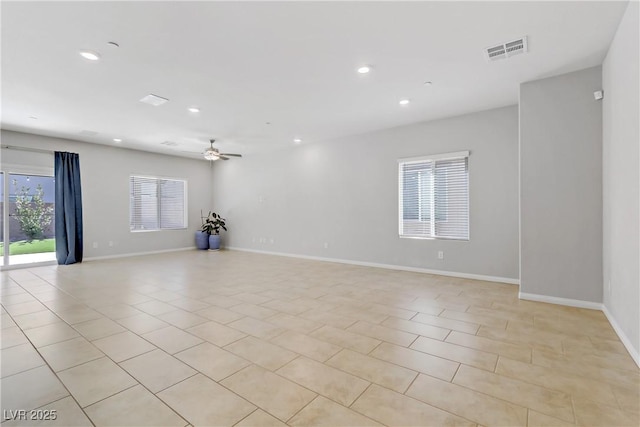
[231, 338]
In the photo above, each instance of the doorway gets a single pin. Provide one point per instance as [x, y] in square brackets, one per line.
[28, 232]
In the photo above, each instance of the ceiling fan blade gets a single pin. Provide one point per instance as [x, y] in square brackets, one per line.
[231, 154]
[223, 157]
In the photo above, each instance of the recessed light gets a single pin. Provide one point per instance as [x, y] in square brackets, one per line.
[404, 102]
[194, 109]
[364, 69]
[117, 140]
[428, 83]
[297, 140]
[90, 55]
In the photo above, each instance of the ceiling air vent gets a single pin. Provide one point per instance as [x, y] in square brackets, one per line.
[169, 143]
[154, 100]
[506, 50]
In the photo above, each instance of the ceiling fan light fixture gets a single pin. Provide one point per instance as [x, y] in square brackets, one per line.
[211, 154]
[215, 154]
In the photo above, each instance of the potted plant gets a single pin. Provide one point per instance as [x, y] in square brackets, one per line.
[202, 238]
[212, 225]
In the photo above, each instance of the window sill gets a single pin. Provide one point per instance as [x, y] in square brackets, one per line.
[158, 229]
[432, 238]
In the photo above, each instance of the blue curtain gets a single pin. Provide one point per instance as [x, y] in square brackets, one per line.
[68, 208]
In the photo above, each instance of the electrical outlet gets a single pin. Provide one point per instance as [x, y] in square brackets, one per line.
[272, 240]
[440, 255]
[326, 245]
[95, 245]
[110, 243]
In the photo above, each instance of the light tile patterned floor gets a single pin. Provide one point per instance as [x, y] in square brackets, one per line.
[230, 338]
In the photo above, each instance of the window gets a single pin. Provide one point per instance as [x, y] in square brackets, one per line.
[434, 196]
[157, 203]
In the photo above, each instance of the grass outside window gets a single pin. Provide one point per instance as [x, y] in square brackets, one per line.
[22, 247]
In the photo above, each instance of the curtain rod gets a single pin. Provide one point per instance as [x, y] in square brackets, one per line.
[35, 150]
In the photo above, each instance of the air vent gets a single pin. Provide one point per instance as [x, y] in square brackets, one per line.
[506, 50]
[154, 100]
[169, 143]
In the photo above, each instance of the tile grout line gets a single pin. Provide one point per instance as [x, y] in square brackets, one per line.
[113, 361]
[55, 374]
[248, 415]
[448, 334]
[508, 401]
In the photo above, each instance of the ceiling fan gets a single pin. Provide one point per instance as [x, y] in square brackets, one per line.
[213, 153]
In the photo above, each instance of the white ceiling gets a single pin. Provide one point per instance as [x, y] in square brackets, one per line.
[292, 64]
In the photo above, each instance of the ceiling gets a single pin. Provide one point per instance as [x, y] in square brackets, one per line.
[264, 73]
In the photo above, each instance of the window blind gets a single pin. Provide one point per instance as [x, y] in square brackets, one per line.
[434, 196]
[171, 204]
[156, 203]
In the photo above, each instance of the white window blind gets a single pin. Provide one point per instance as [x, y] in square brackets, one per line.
[156, 203]
[434, 196]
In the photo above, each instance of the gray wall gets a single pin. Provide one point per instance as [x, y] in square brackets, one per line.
[561, 186]
[105, 174]
[345, 193]
[621, 178]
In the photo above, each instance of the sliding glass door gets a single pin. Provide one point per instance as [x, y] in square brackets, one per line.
[2, 242]
[27, 218]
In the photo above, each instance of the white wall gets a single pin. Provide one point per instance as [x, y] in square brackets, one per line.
[561, 187]
[105, 175]
[621, 163]
[345, 193]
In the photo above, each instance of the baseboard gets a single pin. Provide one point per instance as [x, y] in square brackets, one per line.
[633, 352]
[386, 266]
[163, 251]
[561, 301]
[95, 258]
